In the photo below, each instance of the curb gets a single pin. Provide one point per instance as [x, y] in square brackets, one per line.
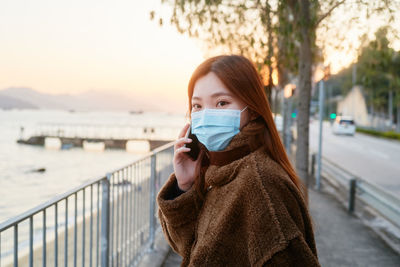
[157, 256]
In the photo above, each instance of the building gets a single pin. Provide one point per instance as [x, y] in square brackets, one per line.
[354, 105]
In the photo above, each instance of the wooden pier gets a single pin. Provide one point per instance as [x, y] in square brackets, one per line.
[111, 137]
[68, 142]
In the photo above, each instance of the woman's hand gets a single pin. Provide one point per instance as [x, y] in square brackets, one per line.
[186, 170]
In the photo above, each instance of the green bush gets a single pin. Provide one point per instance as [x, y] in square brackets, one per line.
[389, 134]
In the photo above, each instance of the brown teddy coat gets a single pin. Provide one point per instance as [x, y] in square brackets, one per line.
[252, 214]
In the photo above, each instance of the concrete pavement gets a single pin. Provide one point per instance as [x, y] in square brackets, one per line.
[342, 239]
[172, 260]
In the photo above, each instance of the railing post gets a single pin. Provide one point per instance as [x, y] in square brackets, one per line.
[313, 157]
[152, 200]
[352, 194]
[105, 222]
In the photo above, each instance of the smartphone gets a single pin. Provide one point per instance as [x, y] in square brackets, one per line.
[194, 145]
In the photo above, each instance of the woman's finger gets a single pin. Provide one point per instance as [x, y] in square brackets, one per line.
[181, 150]
[184, 130]
[181, 141]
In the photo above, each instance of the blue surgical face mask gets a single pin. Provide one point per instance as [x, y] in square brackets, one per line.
[215, 128]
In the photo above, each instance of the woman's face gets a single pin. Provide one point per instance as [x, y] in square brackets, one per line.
[209, 92]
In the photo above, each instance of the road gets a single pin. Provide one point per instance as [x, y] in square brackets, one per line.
[376, 160]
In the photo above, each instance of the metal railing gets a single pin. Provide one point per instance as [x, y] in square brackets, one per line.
[357, 192]
[109, 221]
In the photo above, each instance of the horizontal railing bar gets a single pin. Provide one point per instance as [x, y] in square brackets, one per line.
[146, 156]
[19, 218]
[341, 168]
[379, 189]
[330, 170]
[379, 198]
[162, 148]
[374, 190]
[375, 186]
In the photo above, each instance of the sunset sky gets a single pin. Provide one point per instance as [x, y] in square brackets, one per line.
[79, 45]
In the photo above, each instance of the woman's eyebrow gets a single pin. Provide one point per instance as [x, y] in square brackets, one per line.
[221, 94]
[213, 95]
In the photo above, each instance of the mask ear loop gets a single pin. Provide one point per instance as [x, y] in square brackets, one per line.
[244, 109]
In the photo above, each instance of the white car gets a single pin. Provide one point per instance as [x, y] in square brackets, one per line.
[344, 125]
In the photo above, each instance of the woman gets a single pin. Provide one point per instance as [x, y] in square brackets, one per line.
[239, 203]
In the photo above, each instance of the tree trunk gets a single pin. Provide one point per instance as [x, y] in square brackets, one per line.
[305, 65]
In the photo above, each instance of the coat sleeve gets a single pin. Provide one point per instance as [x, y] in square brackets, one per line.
[177, 213]
[297, 253]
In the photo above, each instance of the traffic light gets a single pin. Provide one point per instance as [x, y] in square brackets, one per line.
[294, 115]
[333, 116]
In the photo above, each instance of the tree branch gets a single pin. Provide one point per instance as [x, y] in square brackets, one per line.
[329, 12]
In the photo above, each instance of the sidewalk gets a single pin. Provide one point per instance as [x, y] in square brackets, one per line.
[342, 239]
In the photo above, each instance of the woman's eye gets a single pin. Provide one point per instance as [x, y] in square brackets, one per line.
[196, 106]
[221, 103]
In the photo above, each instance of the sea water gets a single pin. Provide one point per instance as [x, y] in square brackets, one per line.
[22, 189]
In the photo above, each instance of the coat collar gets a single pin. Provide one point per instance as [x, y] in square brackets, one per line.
[223, 165]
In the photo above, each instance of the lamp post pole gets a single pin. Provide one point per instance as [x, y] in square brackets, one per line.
[321, 118]
[286, 125]
[287, 120]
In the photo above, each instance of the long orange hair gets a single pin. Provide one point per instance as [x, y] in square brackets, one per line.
[239, 75]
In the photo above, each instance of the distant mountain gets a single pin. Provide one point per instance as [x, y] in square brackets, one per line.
[41, 100]
[7, 102]
[16, 97]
